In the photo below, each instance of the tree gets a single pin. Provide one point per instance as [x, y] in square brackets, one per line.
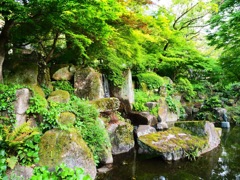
[225, 34]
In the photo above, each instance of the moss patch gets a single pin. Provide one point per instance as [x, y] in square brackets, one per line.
[173, 139]
[106, 104]
[59, 96]
[55, 144]
[67, 119]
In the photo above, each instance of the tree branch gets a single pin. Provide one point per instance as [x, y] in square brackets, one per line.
[183, 14]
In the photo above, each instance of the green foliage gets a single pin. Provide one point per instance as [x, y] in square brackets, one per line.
[7, 97]
[141, 97]
[192, 154]
[151, 79]
[185, 88]
[171, 104]
[61, 172]
[21, 144]
[3, 162]
[212, 102]
[63, 85]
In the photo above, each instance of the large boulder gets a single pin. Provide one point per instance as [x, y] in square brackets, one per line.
[59, 96]
[203, 129]
[64, 73]
[172, 144]
[25, 73]
[121, 135]
[60, 146]
[88, 84]
[125, 93]
[21, 105]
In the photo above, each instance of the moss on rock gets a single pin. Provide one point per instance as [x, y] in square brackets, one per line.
[60, 146]
[173, 139]
[59, 96]
[106, 104]
[67, 119]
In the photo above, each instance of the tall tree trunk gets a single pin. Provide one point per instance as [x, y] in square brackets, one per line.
[3, 41]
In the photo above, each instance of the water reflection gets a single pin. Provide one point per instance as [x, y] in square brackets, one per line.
[221, 163]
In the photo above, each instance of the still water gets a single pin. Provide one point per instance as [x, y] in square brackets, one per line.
[221, 163]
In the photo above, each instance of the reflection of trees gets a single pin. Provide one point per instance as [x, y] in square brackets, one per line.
[228, 164]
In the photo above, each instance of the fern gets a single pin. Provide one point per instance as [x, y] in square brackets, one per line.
[20, 134]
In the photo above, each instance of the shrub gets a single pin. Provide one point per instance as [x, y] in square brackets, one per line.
[185, 88]
[61, 172]
[151, 79]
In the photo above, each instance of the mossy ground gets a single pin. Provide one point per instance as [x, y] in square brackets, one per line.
[174, 139]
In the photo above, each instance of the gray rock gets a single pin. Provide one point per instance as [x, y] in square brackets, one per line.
[121, 136]
[125, 93]
[151, 105]
[165, 115]
[88, 84]
[142, 118]
[65, 73]
[23, 172]
[213, 137]
[59, 146]
[162, 126]
[21, 105]
[145, 129]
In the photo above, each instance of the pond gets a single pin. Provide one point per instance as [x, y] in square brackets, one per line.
[221, 163]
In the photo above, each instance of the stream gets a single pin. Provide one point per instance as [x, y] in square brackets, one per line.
[221, 163]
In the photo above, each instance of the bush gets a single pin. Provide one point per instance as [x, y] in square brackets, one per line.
[151, 80]
[185, 88]
[141, 98]
[61, 172]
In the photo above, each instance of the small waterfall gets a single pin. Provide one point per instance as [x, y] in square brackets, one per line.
[105, 86]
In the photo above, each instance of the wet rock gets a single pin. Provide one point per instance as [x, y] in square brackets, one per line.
[59, 146]
[144, 129]
[121, 136]
[59, 96]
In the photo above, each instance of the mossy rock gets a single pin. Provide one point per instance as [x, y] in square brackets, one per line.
[25, 73]
[106, 104]
[59, 96]
[61, 146]
[67, 119]
[37, 89]
[121, 136]
[172, 144]
[88, 84]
